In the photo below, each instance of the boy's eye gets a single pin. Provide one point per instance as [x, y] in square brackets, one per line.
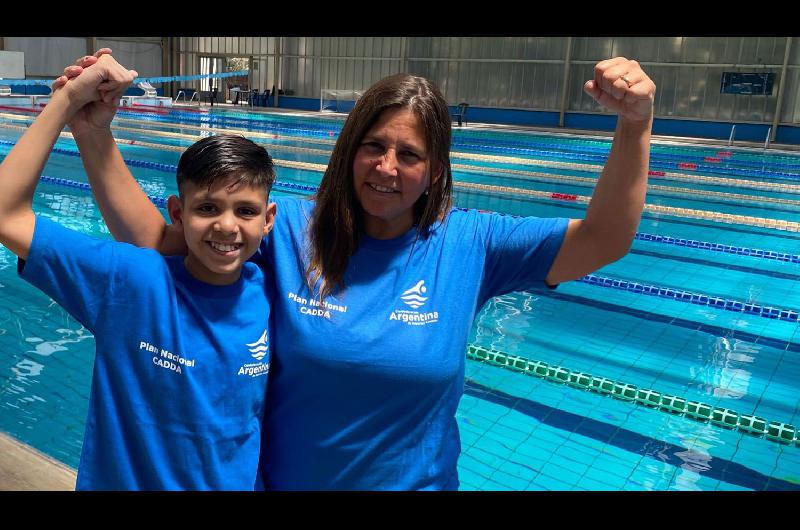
[248, 212]
[206, 208]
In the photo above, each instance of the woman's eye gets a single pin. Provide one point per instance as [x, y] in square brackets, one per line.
[372, 147]
[410, 155]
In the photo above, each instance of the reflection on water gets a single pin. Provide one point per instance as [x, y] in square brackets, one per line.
[722, 372]
[48, 347]
[499, 323]
[697, 459]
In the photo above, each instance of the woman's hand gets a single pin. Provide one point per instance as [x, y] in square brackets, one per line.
[112, 80]
[621, 85]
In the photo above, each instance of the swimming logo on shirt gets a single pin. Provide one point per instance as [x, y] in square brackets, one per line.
[414, 299]
[260, 347]
[258, 350]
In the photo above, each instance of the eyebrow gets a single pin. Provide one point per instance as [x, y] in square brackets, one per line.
[403, 145]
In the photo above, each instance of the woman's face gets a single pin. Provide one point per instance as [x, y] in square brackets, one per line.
[391, 171]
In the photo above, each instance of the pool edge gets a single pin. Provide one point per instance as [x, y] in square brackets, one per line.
[23, 468]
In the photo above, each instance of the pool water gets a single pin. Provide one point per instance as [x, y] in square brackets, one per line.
[519, 431]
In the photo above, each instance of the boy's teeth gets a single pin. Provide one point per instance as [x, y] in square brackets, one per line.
[222, 247]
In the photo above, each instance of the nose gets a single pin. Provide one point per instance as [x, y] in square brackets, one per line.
[387, 163]
[226, 223]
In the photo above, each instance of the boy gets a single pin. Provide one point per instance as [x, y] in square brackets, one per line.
[182, 357]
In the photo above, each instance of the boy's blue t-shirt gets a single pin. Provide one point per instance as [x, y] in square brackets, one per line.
[180, 372]
[364, 390]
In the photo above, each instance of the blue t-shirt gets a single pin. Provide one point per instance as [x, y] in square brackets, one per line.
[364, 390]
[180, 372]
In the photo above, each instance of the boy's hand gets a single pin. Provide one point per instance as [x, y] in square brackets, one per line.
[94, 85]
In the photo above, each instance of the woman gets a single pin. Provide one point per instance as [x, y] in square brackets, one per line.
[379, 280]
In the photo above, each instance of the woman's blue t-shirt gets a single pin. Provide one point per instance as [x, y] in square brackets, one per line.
[364, 388]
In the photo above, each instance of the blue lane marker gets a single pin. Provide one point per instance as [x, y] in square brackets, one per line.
[716, 247]
[692, 325]
[641, 236]
[717, 264]
[689, 297]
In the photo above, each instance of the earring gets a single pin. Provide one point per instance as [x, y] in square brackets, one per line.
[426, 193]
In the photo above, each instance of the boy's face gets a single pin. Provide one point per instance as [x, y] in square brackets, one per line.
[223, 227]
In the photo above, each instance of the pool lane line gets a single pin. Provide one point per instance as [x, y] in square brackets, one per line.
[690, 297]
[686, 260]
[664, 190]
[702, 326]
[737, 198]
[775, 431]
[737, 306]
[609, 433]
[538, 176]
[703, 245]
[594, 168]
[264, 125]
[547, 177]
[671, 191]
[718, 247]
[718, 217]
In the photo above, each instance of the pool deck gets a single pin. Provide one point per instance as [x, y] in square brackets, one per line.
[23, 468]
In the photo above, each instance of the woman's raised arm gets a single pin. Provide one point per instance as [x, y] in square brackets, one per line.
[130, 215]
[615, 210]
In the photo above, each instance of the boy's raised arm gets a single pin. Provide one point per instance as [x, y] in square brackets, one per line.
[131, 217]
[20, 171]
[19, 174]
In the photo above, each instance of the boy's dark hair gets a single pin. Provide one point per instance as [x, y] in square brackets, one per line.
[226, 158]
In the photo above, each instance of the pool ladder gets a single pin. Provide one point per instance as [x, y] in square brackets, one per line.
[733, 136]
[181, 93]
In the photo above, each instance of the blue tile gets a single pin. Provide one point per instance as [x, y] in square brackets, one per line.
[599, 475]
[594, 485]
[558, 472]
[519, 471]
[615, 467]
[468, 486]
[568, 464]
[468, 476]
[491, 485]
[550, 484]
[532, 462]
[510, 481]
[469, 462]
[724, 486]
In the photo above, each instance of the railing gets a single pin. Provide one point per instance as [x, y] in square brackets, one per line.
[182, 93]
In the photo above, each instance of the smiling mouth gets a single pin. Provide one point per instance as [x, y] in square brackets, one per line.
[381, 189]
[225, 247]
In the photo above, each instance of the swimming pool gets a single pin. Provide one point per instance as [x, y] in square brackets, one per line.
[566, 389]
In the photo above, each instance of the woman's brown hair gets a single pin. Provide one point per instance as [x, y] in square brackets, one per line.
[338, 221]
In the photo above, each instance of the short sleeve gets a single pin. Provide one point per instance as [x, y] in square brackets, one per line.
[519, 251]
[73, 269]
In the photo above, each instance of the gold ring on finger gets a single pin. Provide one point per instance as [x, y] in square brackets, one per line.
[624, 77]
